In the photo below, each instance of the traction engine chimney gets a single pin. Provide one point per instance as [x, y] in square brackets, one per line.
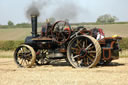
[34, 25]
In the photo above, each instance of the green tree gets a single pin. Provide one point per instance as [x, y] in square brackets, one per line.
[10, 23]
[106, 19]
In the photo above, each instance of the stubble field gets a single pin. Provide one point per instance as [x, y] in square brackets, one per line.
[61, 73]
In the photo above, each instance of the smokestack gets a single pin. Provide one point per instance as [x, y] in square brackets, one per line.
[34, 25]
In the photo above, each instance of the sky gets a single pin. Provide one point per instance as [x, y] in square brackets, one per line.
[77, 10]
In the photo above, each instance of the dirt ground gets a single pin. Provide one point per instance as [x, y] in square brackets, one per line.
[60, 73]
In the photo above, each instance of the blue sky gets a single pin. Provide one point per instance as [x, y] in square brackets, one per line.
[14, 10]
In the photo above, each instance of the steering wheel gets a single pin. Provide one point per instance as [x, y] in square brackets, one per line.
[61, 31]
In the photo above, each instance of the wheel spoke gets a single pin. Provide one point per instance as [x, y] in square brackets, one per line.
[85, 61]
[76, 56]
[91, 51]
[75, 49]
[88, 46]
[22, 50]
[21, 61]
[80, 63]
[25, 61]
[92, 55]
[19, 55]
[78, 44]
[28, 55]
[83, 44]
[86, 42]
[91, 48]
[90, 58]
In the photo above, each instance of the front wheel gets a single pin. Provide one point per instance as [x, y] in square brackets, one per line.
[25, 56]
[83, 51]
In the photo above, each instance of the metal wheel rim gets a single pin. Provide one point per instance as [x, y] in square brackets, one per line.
[25, 56]
[97, 48]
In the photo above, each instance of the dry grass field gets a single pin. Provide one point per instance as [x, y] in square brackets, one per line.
[21, 33]
[61, 73]
[14, 34]
[112, 29]
[6, 54]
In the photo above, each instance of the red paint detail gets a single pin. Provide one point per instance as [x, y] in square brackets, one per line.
[37, 53]
[109, 56]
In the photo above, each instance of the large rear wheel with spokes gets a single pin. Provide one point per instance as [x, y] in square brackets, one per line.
[84, 51]
[25, 56]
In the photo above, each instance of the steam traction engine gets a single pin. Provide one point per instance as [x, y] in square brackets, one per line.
[80, 47]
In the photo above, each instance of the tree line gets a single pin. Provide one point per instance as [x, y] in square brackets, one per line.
[104, 19]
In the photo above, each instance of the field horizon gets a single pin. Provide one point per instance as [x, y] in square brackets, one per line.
[21, 33]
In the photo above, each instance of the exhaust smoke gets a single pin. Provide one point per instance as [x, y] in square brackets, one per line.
[58, 9]
[67, 11]
[35, 8]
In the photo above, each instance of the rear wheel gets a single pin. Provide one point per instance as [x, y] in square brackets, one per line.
[84, 51]
[25, 56]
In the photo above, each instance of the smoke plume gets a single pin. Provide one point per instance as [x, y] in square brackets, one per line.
[59, 9]
[67, 11]
[35, 8]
